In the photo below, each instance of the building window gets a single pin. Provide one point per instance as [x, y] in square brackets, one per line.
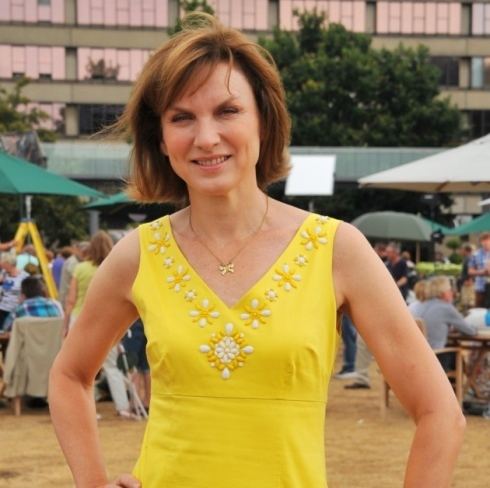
[350, 13]
[449, 68]
[137, 13]
[93, 118]
[479, 121]
[32, 11]
[480, 72]
[429, 18]
[480, 19]
[110, 64]
[32, 61]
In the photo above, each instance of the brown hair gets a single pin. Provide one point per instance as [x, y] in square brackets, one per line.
[203, 43]
[100, 247]
[420, 290]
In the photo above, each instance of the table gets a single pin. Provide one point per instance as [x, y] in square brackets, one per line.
[476, 371]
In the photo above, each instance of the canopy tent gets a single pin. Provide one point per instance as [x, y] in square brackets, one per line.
[117, 199]
[479, 224]
[20, 177]
[436, 226]
[464, 169]
[398, 226]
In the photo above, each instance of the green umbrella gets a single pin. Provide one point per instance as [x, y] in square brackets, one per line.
[20, 177]
[437, 226]
[480, 224]
[398, 226]
[118, 198]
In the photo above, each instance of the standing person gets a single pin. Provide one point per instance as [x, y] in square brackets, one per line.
[77, 251]
[135, 344]
[83, 273]
[349, 338]
[380, 250]
[98, 250]
[239, 294]
[61, 256]
[479, 269]
[397, 267]
[10, 285]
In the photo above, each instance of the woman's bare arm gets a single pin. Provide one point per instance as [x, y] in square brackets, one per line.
[367, 292]
[107, 312]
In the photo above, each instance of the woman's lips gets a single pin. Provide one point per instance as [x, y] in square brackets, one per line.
[210, 162]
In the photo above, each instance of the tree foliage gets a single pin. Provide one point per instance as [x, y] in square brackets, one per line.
[60, 219]
[15, 119]
[188, 6]
[342, 92]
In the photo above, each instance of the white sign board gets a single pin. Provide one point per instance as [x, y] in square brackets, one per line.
[311, 175]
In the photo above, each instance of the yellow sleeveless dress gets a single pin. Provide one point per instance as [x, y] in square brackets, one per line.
[238, 393]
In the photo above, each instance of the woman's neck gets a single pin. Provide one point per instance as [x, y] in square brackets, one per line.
[228, 217]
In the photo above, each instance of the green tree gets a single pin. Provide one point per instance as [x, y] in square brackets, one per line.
[342, 92]
[13, 119]
[191, 6]
[59, 219]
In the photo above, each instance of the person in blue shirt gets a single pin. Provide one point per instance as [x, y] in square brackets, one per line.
[479, 269]
[33, 303]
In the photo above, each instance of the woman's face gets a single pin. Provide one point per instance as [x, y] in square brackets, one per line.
[212, 135]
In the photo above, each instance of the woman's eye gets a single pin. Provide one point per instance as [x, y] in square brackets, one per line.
[181, 117]
[229, 111]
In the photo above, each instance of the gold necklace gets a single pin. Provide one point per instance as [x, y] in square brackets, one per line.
[229, 267]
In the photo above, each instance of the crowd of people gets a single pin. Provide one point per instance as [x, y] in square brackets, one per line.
[23, 293]
[442, 302]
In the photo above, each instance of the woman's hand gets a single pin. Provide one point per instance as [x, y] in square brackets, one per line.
[124, 481]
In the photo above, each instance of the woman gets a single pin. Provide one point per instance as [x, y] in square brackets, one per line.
[420, 292]
[98, 250]
[239, 294]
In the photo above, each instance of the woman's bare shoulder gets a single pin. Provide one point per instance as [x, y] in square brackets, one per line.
[285, 215]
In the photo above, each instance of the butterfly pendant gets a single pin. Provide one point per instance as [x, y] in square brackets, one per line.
[226, 268]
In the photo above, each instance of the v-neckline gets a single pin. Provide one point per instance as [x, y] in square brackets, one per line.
[254, 285]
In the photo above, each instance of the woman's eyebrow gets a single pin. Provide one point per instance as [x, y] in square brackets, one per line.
[177, 108]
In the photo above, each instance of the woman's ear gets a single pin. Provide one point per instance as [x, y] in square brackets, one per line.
[163, 148]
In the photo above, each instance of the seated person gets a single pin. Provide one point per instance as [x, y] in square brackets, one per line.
[420, 296]
[439, 314]
[33, 303]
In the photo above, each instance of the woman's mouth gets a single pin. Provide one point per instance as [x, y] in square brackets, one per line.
[208, 162]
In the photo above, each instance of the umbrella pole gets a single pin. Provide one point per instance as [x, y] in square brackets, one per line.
[21, 207]
[417, 252]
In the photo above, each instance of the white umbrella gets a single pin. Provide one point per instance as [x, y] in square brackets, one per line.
[460, 170]
[484, 202]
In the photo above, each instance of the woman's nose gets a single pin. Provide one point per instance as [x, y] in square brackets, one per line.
[207, 135]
